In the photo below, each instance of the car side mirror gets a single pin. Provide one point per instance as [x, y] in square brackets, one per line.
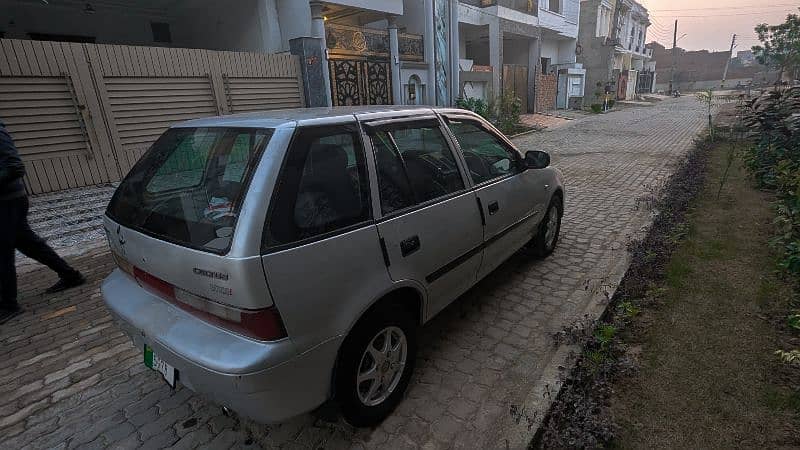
[535, 159]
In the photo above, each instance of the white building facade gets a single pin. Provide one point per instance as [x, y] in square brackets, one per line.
[518, 45]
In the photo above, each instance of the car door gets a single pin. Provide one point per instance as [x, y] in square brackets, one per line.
[430, 227]
[511, 198]
[321, 251]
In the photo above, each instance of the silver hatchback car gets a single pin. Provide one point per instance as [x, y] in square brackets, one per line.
[273, 261]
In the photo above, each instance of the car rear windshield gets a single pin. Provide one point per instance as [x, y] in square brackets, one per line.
[188, 188]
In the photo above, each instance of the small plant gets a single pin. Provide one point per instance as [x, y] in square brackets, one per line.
[509, 108]
[605, 335]
[628, 310]
[597, 108]
[707, 98]
[791, 357]
[474, 104]
[794, 321]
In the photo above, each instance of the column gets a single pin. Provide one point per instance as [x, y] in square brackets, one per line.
[430, 86]
[271, 38]
[455, 54]
[394, 60]
[317, 20]
[496, 56]
[313, 69]
[534, 57]
[318, 31]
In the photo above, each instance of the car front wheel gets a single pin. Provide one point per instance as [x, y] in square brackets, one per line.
[375, 366]
[547, 235]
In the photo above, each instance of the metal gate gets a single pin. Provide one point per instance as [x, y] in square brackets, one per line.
[360, 82]
[644, 85]
[83, 114]
[622, 85]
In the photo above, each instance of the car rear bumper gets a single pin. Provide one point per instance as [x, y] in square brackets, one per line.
[267, 382]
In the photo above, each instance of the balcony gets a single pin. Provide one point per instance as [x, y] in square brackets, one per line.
[527, 6]
[346, 40]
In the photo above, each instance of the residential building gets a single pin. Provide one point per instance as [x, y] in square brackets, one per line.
[517, 45]
[612, 48]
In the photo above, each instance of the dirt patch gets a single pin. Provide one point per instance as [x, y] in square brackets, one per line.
[685, 355]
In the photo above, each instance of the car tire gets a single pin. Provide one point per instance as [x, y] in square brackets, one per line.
[364, 361]
[546, 239]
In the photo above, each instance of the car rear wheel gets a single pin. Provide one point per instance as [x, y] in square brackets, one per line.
[546, 238]
[375, 365]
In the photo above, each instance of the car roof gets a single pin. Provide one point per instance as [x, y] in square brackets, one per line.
[299, 116]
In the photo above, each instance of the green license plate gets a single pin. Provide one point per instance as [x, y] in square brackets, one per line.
[152, 361]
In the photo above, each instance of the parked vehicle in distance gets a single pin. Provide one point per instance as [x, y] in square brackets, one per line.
[273, 261]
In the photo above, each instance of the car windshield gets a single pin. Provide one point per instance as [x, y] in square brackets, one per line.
[188, 188]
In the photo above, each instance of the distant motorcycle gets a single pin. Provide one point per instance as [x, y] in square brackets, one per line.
[676, 94]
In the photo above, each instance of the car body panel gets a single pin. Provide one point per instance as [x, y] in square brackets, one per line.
[317, 296]
[450, 234]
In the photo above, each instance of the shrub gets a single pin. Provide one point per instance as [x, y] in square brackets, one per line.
[508, 108]
[774, 161]
[476, 105]
[597, 108]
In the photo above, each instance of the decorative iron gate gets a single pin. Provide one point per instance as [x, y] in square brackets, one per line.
[359, 63]
[357, 82]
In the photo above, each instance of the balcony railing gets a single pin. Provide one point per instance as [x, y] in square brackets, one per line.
[527, 6]
[345, 40]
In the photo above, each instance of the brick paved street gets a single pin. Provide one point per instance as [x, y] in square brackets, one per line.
[487, 366]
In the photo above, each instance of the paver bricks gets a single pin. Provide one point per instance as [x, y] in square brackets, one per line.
[480, 362]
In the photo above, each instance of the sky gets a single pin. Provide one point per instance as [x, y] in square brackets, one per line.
[710, 24]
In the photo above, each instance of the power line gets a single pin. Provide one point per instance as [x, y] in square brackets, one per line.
[726, 8]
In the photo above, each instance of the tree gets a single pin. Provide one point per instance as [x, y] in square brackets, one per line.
[780, 45]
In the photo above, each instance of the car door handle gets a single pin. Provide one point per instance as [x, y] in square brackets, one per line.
[493, 208]
[410, 245]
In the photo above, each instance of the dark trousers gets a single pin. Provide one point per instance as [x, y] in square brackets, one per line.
[16, 234]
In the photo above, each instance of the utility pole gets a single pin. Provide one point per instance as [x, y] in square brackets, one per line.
[674, 58]
[728, 62]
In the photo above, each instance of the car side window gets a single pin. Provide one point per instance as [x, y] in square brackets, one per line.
[487, 157]
[415, 165]
[323, 186]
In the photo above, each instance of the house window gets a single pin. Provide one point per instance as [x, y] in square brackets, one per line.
[545, 65]
[555, 6]
[161, 32]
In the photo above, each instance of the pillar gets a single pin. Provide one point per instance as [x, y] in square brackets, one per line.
[394, 61]
[318, 32]
[313, 70]
[271, 38]
[455, 54]
[428, 42]
[534, 58]
[496, 56]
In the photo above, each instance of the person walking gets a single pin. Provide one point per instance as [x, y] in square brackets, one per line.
[16, 233]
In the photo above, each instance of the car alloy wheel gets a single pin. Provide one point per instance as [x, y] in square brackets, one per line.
[381, 366]
[552, 227]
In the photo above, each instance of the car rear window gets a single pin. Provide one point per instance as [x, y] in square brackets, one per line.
[188, 188]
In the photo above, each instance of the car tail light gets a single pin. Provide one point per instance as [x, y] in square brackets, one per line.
[262, 324]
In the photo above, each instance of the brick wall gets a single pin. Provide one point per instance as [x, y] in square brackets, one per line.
[546, 91]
